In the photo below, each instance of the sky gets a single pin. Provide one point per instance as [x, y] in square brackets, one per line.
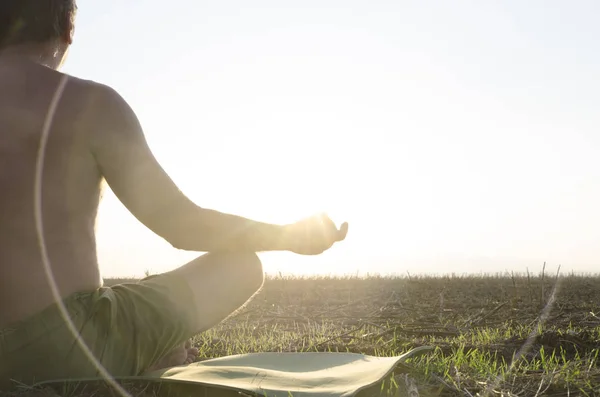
[454, 136]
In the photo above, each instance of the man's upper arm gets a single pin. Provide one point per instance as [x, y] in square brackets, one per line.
[129, 167]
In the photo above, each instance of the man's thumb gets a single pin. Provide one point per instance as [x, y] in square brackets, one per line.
[343, 231]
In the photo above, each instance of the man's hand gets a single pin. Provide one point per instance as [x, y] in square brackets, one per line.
[313, 235]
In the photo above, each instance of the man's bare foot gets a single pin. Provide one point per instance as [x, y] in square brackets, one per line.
[192, 352]
[181, 355]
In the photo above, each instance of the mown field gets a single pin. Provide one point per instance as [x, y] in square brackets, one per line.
[509, 335]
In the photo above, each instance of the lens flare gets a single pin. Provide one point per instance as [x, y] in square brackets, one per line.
[42, 243]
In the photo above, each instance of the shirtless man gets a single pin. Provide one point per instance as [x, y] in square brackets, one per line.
[79, 132]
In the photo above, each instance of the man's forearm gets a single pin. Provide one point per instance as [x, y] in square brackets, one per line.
[199, 229]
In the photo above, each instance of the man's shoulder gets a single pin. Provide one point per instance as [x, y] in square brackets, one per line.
[101, 102]
[103, 111]
[91, 88]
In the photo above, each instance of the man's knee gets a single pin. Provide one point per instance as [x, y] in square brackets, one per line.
[238, 275]
[245, 270]
[251, 269]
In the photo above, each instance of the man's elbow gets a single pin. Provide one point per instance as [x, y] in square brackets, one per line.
[181, 230]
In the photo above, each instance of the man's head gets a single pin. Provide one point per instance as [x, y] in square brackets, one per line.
[44, 24]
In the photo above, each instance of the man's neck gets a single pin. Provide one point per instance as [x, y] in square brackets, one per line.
[43, 54]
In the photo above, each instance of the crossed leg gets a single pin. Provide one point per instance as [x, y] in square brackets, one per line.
[221, 284]
[184, 354]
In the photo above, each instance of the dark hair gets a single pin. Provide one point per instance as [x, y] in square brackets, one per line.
[34, 21]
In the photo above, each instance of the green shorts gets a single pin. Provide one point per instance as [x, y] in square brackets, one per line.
[127, 328]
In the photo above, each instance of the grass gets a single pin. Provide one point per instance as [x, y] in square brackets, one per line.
[508, 335]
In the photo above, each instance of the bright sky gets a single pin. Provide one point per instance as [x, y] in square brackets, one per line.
[453, 136]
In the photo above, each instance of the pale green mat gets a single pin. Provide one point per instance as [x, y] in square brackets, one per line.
[283, 374]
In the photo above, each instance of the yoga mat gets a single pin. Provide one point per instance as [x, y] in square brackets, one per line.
[280, 374]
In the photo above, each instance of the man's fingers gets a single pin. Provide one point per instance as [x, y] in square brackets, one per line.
[318, 233]
[333, 233]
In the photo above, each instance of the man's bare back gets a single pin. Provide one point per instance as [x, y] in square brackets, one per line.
[70, 190]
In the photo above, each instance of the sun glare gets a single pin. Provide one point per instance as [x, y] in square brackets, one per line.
[430, 141]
